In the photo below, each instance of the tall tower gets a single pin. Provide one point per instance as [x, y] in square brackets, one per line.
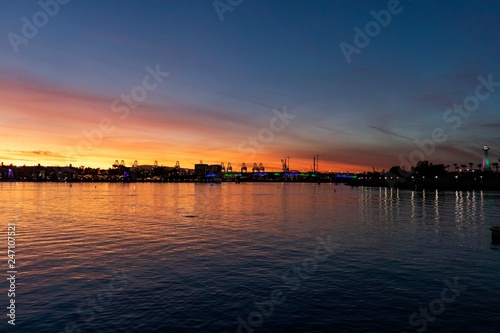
[486, 158]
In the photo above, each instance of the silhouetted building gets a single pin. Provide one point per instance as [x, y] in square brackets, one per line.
[200, 169]
[215, 168]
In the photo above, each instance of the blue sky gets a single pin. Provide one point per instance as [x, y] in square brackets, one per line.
[225, 77]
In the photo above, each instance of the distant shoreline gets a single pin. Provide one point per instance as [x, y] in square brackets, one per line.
[408, 186]
[424, 176]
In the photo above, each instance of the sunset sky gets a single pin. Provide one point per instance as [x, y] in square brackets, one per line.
[61, 86]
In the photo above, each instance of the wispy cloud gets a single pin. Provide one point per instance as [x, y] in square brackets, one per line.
[31, 153]
[386, 131]
[491, 125]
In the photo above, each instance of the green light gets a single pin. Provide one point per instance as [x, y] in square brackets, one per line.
[276, 173]
[355, 177]
[313, 175]
[302, 174]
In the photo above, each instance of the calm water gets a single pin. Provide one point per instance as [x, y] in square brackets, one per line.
[281, 257]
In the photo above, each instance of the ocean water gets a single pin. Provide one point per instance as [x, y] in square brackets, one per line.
[250, 258]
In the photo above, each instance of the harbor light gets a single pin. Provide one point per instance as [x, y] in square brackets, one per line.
[486, 158]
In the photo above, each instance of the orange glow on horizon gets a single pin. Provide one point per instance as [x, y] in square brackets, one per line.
[52, 127]
[188, 163]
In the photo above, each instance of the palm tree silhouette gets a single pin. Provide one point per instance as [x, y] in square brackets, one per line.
[496, 167]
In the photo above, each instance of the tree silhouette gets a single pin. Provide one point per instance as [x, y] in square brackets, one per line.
[496, 166]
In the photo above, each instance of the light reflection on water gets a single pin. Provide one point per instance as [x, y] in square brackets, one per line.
[199, 256]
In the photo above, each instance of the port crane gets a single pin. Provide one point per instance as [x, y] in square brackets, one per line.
[285, 166]
[316, 162]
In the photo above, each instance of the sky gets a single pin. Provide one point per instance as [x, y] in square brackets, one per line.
[361, 84]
